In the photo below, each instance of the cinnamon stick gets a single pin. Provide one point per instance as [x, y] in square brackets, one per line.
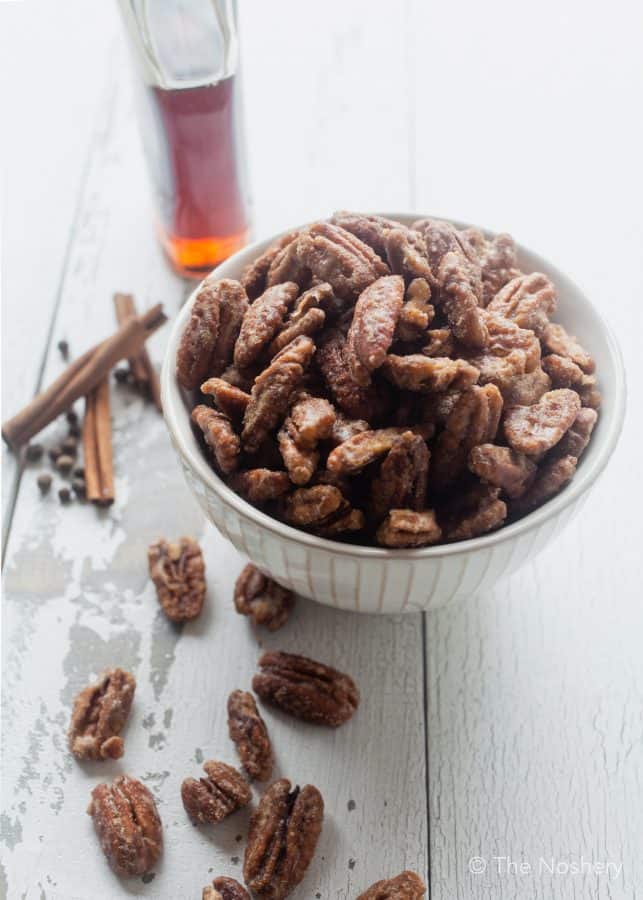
[82, 376]
[97, 446]
[141, 367]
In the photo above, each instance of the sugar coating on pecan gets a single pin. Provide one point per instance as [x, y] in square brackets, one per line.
[575, 440]
[300, 462]
[128, 826]
[427, 374]
[371, 332]
[364, 448]
[282, 837]
[406, 254]
[351, 521]
[356, 401]
[261, 599]
[439, 342]
[254, 276]
[240, 378]
[250, 736]
[502, 467]
[260, 485]
[345, 428]
[523, 390]
[262, 321]
[371, 230]
[287, 266]
[311, 322]
[498, 259]
[221, 792]
[178, 572]
[417, 312]
[527, 300]
[335, 256]
[272, 390]
[562, 371]
[405, 886]
[219, 435]
[535, 429]
[313, 419]
[311, 506]
[306, 689]
[557, 340]
[409, 528]
[402, 478]
[230, 400]
[551, 478]
[223, 888]
[480, 511]
[588, 392]
[99, 715]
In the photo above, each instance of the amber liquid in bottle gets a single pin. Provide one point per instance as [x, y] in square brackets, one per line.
[195, 150]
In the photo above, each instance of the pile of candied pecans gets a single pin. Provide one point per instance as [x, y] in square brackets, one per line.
[378, 383]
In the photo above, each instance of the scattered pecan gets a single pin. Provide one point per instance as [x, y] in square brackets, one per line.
[364, 448]
[335, 256]
[562, 371]
[528, 300]
[401, 480]
[356, 401]
[576, 438]
[282, 837]
[128, 825]
[498, 258]
[230, 400]
[300, 463]
[306, 689]
[477, 512]
[221, 792]
[254, 276]
[262, 321]
[408, 528]
[312, 420]
[225, 889]
[535, 429]
[249, 733]
[406, 254]
[406, 886]
[426, 374]
[417, 312]
[99, 714]
[311, 506]
[551, 478]
[219, 435]
[178, 572]
[260, 485]
[439, 343]
[272, 391]
[556, 340]
[262, 599]
[371, 331]
[502, 467]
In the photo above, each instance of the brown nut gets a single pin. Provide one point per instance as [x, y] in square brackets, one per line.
[306, 689]
[228, 398]
[225, 889]
[498, 258]
[99, 715]
[262, 321]
[178, 572]
[557, 340]
[222, 792]
[552, 476]
[475, 513]
[371, 332]
[535, 429]
[260, 485]
[408, 528]
[355, 400]
[406, 886]
[365, 447]
[426, 374]
[219, 435]
[250, 735]
[128, 825]
[282, 837]
[401, 481]
[502, 467]
[254, 276]
[262, 599]
[528, 300]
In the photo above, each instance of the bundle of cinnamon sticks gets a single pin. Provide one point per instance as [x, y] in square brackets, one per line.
[88, 376]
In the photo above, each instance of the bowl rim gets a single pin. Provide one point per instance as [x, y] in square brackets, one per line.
[174, 411]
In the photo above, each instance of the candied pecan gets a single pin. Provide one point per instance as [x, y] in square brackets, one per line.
[178, 572]
[406, 886]
[219, 435]
[460, 302]
[556, 340]
[240, 378]
[502, 467]
[312, 420]
[417, 313]
[282, 837]
[552, 476]
[225, 889]
[221, 792]
[372, 230]
[401, 480]
[510, 351]
[406, 253]
[287, 266]
[254, 276]
[306, 507]
[99, 714]
[272, 391]
[262, 321]
[306, 689]
[262, 599]
[345, 428]
[427, 374]
[371, 331]
[337, 257]
[436, 408]
[199, 336]
[356, 401]
[439, 343]
[535, 429]
[442, 238]
[476, 512]
[260, 485]
[353, 520]
[249, 733]
[300, 462]
[498, 258]
[588, 392]
[230, 400]
[528, 300]
[562, 371]
[365, 447]
[127, 824]
[309, 323]
[474, 420]
[233, 305]
[576, 438]
[523, 390]
[408, 528]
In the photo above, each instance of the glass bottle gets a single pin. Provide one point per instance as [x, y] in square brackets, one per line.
[187, 52]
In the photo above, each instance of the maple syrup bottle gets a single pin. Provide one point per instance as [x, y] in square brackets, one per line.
[187, 51]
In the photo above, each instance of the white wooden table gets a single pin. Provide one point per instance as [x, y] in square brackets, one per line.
[498, 739]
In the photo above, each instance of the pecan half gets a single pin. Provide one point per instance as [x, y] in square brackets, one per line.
[576, 438]
[345, 428]
[474, 513]
[417, 312]
[300, 463]
[287, 266]
[250, 735]
[523, 390]
[219, 435]
[353, 520]
[272, 390]
[406, 886]
[588, 392]
[364, 448]
[498, 258]
[178, 572]
[551, 478]
[262, 599]
[371, 230]
[563, 372]
[557, 340]
[308, 507]
[535, 429]
[225, 889]
[260, 485]
[312, 419]
[99, 714]
[401, 480]
[502, 467]
[426, 374]
[128, 825]
[406, 253]
[335, 256]
[230, 400]
[371, 332]
[306, 689]
[510, 351]
[282, 837]
[254, 276]
[222, 792]
[528, 300]
[439, 342]
[356, 401]
[408, 528]
[262, 321]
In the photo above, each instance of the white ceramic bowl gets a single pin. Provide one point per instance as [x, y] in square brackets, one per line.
[374, 580]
